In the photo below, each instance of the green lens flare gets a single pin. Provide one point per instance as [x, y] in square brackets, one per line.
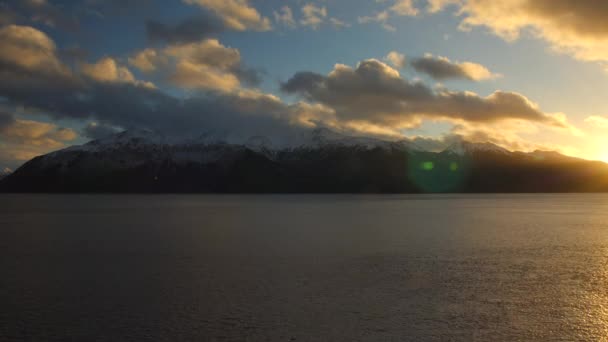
[433, 173]
[427, 166]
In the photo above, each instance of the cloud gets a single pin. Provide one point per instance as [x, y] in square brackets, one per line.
[508, 134]
[37, 81]
[598, 121]
[30, 49]
[374, 92]
[404, 8]
[147, 60]
[21, 140]
[249, 76]
[381, 17]
[208, 52]
[313, 16]
[205, 65]
[101, 92]
[6, 119]
[42, 133]
[285, 17]
[236, 14]
[107, 69]
[396, 59]
[190, 30]
[125, 105]
[441, 68]
[399, 8]
[29, 64]
[435, 6]
[74, 53]
[370, 99]
[337, 23]
[578, 28]
[303, 81]
[201, 76]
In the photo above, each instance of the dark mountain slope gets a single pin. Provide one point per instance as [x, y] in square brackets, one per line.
[148, 164]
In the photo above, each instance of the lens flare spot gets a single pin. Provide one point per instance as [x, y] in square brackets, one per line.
[454, 167]
[427, 166]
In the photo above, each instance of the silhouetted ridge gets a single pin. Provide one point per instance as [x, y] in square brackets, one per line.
[319, 161]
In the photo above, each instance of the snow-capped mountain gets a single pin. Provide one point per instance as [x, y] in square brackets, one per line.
[141, 138]
[462, 148]
[134, 148]
[322, 137]
[319, 160]
[134, 140]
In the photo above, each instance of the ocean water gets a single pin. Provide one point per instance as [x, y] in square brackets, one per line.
[303, 268]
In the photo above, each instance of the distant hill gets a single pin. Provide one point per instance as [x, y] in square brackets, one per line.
[320, 162]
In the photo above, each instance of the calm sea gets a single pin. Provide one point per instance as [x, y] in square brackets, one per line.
[303, 268]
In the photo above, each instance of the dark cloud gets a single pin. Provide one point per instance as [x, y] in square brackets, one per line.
[248, 75]
[129, 105]
[74, 53]
[189, 30]
[376, 93]
[438, 69]
[441, 68]
[6, 119]
[302, 81]
[585, 17]
[54, 89]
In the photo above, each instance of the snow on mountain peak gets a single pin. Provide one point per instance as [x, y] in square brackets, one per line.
[462, 148]
[311, 139]
[323, 136]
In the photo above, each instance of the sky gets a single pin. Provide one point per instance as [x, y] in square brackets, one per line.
[523, 74]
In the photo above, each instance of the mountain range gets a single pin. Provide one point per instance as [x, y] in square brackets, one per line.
[318, 161]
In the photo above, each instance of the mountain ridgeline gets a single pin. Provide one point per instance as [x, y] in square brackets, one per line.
[321, 162]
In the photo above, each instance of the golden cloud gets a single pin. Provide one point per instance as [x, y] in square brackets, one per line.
[24, 139]
[30, 49]
[396, 59]
[236, 14]
[107, 69]
[205, 65]
[578, 28]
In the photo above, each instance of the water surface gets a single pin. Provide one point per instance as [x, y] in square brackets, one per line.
[304, 268]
